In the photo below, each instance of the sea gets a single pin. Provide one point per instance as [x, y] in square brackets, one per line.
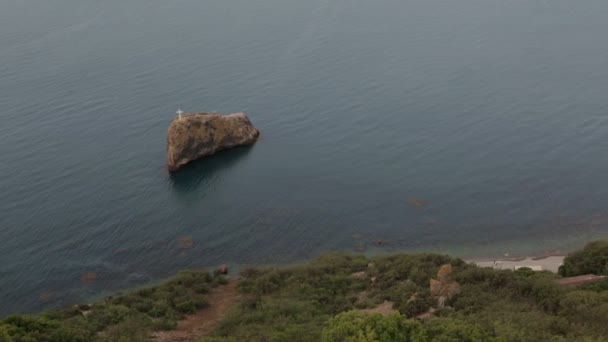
[477, 128]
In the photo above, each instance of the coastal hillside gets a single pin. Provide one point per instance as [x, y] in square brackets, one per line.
[423, 297]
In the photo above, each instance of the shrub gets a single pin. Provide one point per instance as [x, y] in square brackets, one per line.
[456, 330]
[355, 326]
[273, 319]
[416, 305]
[128, 317]
[133, 329]
[315, 302]
[593, 258]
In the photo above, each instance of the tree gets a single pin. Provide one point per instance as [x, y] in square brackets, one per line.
[4, 336]
[591, 259]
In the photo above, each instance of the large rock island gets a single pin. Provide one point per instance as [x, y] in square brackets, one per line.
[197, 135]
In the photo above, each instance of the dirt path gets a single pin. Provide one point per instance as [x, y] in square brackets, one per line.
[204, 322]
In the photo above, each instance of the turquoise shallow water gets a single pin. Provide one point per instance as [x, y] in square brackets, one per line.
[491, 113]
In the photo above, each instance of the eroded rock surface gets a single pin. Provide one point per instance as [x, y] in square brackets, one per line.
[444, 288]
[199, 135]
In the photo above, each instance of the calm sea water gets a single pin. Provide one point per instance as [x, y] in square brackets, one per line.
[490, 117]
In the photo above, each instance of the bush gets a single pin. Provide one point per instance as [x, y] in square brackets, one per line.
[273, 319]
[129, 317]
[500, 305]
[355, 326]
[456, 330]
[41, 328]
[133, 329]
[591, 259]
[4, 336]
[317, 301]
[418, 304]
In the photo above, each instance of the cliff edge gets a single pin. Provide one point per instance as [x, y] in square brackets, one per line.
[197, 135]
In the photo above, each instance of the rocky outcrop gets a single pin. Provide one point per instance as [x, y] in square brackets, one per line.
[194, 136]
[444, 288]
[222, 269]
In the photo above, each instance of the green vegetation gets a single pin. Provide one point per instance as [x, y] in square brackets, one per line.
[353, 326]
[348, 298]
[130, 317]
[324, 301]
[591, 259]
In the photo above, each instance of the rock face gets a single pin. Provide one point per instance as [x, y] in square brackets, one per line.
[444, 288]
[198, 135]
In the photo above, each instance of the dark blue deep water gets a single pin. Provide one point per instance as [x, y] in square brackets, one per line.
[472, 127]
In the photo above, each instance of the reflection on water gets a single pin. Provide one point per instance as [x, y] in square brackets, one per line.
[206, 170]
[272, 216]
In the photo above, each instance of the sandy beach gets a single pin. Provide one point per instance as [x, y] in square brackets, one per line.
[551, 263]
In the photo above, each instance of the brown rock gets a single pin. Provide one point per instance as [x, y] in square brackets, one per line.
[198, 135]
[384, 309]
[451, 290]
[445, 273]
[436, 288]
[88, 278]
[223, 269]
[441, 302]
[185, 242]
[444, 288]
[358, 275]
